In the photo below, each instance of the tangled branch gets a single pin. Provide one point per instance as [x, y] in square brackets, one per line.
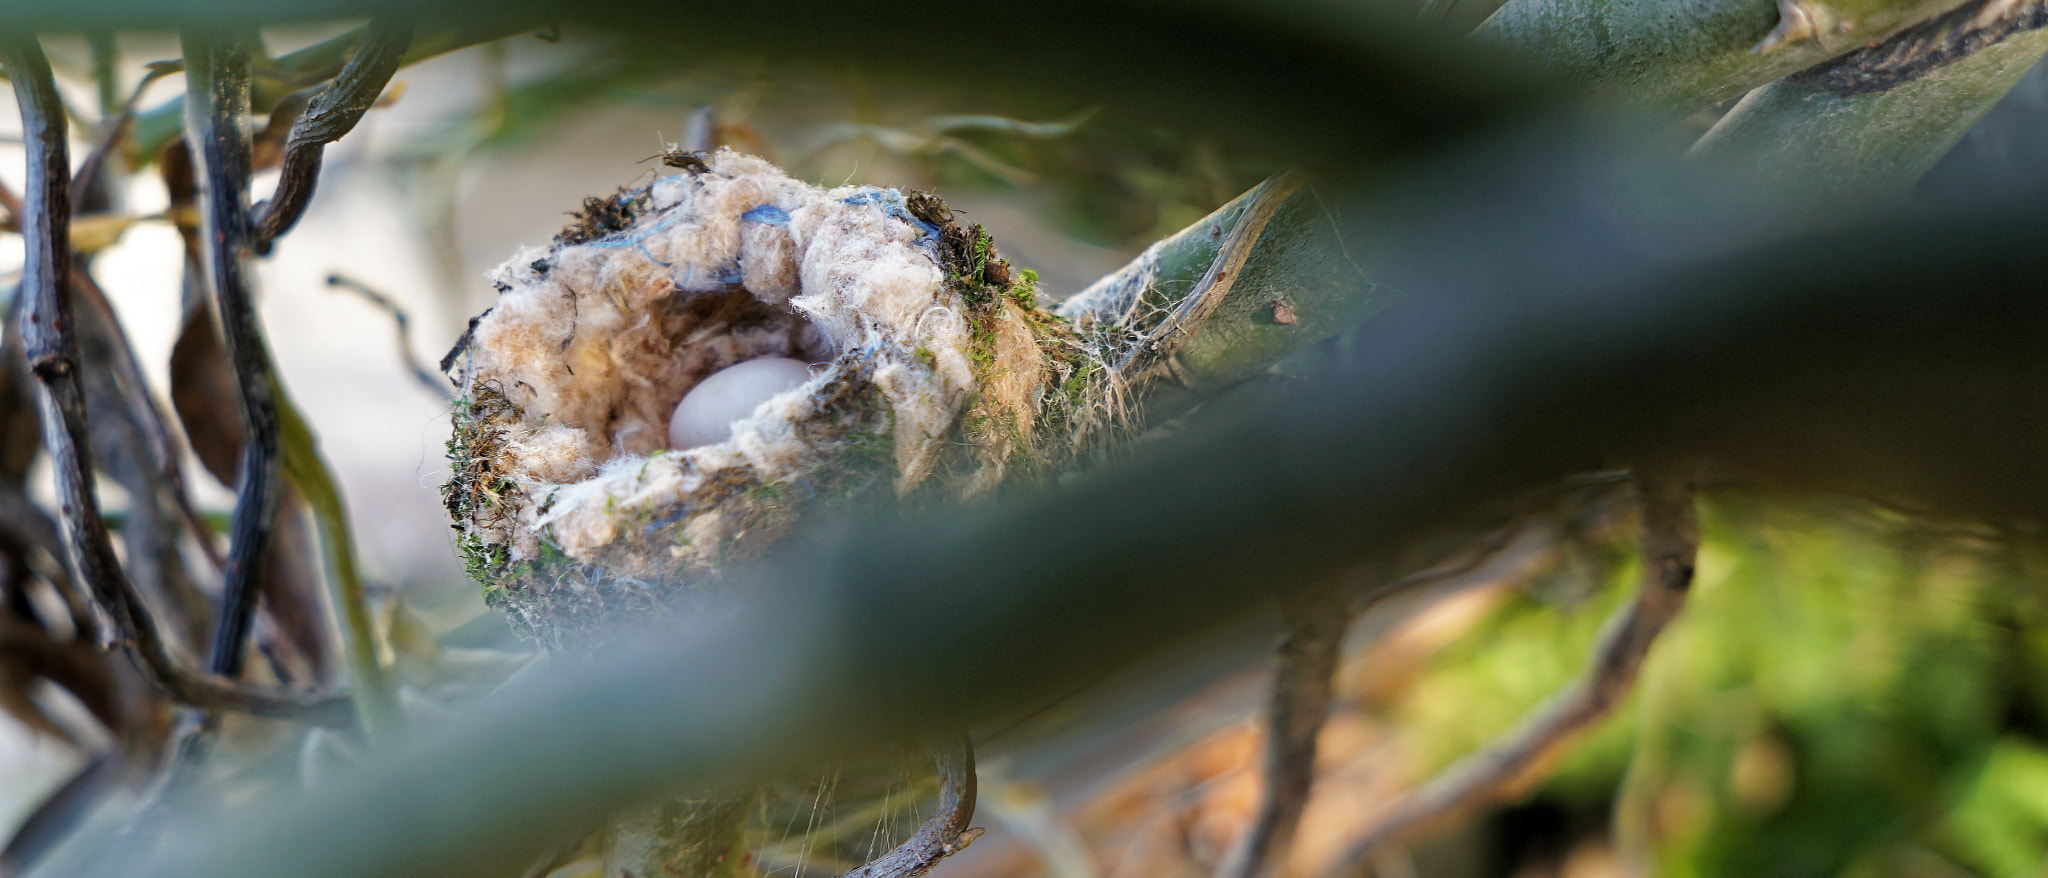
[51, 341]
[1303, 682]
[332, 113]
[1670, 543]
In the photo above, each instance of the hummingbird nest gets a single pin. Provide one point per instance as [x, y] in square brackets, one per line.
[934, 374]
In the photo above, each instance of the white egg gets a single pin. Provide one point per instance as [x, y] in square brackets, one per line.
[729, 395]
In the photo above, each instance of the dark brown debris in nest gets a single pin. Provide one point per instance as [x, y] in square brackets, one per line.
[603, 216]
[691, 161]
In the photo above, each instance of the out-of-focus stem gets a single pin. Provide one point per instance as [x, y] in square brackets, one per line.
[1690, 54]
[1872, 123]
[376, 698]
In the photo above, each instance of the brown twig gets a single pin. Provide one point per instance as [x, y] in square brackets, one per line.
[435, 384]
[41, 546]
[1304, 671]
[332, 113]
[1670, 543]
[1487, 549]
[109, 134]
[51, 343]
[11, 200]
[946, 832]
[163, 449]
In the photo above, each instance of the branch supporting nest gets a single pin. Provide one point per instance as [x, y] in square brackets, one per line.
[50, 339]
[946, 832]
[1194, 309]
[1304, 672]
[1670, 545]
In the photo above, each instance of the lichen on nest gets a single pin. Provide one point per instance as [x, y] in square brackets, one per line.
[935, 375]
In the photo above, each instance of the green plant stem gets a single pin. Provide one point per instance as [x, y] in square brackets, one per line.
[376, 698]
[106, 53]
[1191, 314]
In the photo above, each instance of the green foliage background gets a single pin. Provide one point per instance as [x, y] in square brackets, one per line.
[1850, 691]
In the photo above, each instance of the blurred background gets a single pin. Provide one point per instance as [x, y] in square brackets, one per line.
[1890, 719]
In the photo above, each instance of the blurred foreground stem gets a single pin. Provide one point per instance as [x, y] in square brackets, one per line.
[1688, 54]
[376, 698]
[1872, 123]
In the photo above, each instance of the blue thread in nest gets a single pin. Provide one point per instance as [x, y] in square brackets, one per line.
[623, 239]
[892, 201]
[664, 521]
[650, 256]
[767, 214]
[728, 274]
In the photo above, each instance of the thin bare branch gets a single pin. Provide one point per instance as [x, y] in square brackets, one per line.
[60, 812]
[41, 544]
[110, 131]
[163, 449]
[1670, 543]
[1304, 671]
[217, 97]
[332, 114]
[946, 832]
[434, 383]
[50, 338]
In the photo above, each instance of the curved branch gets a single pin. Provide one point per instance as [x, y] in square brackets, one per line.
[50, 339]
[402, 322]
[1670, 544]
[333, 113]
[943, 834]
[1303, 682]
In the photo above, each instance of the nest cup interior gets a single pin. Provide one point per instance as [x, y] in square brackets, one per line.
[595, 339]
